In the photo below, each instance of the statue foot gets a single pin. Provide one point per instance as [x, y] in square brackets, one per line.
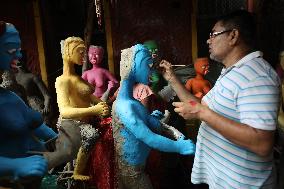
[81, 177]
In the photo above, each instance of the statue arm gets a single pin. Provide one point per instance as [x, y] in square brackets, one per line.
[156, 121]
[188, 84]
[206, 89]
[141, 131]
[44, 91]
[44, 132]
[112, 80]
[95, 100]
[84, 76]
[111, 77]
[18, 168]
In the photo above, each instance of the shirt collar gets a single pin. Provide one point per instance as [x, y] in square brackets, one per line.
[247, 58]
[241, 62]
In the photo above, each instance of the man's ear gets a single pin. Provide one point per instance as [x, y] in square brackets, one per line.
[234, 36]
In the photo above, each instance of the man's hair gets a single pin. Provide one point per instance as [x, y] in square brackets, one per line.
[244, 22]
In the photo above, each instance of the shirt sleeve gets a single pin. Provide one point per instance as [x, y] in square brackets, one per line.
[258, 103]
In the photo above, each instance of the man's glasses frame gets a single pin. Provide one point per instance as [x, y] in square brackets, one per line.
[216, 33]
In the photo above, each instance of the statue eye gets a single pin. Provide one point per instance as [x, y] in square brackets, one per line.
[13, 51]
[151, 65]
[81, 51]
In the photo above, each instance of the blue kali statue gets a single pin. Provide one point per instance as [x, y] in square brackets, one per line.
[21, 129]
[135, 130]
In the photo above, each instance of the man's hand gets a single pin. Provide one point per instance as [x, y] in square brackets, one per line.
[167, 70]
[189, 110]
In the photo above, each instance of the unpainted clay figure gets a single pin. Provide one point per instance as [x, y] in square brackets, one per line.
[199, 86]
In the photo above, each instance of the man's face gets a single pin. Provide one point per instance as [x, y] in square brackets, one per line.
[218, 42]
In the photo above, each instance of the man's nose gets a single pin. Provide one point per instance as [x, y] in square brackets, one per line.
[208, 41]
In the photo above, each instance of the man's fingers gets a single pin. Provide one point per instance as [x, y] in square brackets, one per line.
[177, 104]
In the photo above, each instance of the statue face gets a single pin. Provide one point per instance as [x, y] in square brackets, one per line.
[78, 50]
[152, 47]
[9, 47]
[143, 63]
[95, 55]
[201, 66]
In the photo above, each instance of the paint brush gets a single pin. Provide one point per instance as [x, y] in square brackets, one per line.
[178, 65]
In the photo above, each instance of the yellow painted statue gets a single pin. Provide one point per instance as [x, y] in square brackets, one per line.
[77, 109]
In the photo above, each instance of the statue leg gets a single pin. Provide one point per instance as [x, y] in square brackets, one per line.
[132, 176]
[89, 136]
[80, 166]
[67, 144]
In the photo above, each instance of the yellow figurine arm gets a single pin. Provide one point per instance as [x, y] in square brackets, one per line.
[94, 99]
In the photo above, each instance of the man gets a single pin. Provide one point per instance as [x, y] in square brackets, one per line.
[235, 139]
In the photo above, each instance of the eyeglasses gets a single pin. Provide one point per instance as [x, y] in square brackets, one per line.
[214, 34]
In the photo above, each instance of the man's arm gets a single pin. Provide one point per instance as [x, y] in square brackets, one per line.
[257, 140]
[175, 83]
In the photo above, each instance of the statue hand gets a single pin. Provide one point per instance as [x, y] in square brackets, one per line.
[166, 117]
[157, 114]
[199, 95]
[101, 109]
[33, 166]
[171, 132]
[111, 85]
[185, 147]
[46, 110]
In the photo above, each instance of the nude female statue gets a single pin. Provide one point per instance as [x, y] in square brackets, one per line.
[77, 107]
[21, 127]
[100, 78]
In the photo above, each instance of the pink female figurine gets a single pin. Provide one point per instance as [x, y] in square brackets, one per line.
[99, 77]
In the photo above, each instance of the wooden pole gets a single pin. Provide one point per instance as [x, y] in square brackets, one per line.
[88, 31]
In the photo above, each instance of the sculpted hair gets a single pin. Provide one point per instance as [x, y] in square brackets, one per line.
[68, 42]
[244, 22]
[126, 61]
